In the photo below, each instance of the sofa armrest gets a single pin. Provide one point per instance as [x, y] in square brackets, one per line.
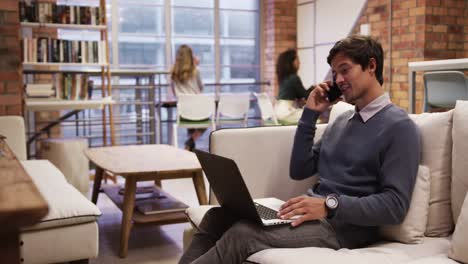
[262, 155]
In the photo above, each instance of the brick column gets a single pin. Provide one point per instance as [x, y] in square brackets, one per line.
[421, 30]
[279, 34]
[11, 92]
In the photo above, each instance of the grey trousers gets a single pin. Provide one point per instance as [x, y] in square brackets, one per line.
[223, 238]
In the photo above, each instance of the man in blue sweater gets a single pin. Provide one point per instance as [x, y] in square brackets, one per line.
[367, 162]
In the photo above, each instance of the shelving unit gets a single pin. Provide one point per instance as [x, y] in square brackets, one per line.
[46, 52]
[64, 26]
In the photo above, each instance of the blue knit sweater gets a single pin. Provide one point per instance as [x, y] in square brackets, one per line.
[371, 166]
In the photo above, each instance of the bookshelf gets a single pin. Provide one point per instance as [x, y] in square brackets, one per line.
[67, 59]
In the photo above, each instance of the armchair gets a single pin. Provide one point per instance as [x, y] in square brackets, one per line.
[69, 232]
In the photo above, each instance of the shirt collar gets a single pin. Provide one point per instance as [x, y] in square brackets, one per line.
[373, 107]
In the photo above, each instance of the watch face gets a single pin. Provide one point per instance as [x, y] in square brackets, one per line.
[332, 202]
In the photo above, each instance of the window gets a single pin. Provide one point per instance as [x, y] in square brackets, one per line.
[224, 35]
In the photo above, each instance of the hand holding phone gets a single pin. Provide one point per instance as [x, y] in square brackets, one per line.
[334, 92]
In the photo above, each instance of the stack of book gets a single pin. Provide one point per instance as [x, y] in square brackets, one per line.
[73, 87]
[39, 12]
[36, 90]
[63, 51]
[160, 206]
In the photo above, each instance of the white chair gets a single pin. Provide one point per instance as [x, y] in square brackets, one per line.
[266, 109]
[232, 108]
[443, 88]
[194, 111]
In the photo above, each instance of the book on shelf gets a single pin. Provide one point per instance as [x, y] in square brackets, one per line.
[40, 12]
[40, 90]
[49, 50]
[64, 87]
[160, 206]
[74, 86]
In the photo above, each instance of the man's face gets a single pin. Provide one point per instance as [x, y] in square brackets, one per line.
[353, 81]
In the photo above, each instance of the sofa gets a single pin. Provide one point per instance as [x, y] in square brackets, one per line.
[435, 228]
[69, 232]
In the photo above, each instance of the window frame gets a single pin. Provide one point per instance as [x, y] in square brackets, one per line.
[169, 41]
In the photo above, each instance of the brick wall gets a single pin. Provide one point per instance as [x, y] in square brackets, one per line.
[279, 34]
[421, 30]
[11, 92]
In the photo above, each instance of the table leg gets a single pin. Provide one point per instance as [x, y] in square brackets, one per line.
[97, 184]
[127, 213]
[157, 183]
[9, 247]
[199, 184]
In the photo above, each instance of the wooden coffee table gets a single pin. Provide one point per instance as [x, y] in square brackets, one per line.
[144, 163]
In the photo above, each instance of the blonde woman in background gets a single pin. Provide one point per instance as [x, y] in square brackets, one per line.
[186, 80]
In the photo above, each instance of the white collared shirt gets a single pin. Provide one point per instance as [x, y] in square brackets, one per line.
[373, 107]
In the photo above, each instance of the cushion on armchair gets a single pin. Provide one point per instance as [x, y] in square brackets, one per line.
[459, 249]
[67, 206]
[411, 230]
[459, 157]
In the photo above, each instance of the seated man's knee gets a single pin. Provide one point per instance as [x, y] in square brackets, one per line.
[216, 220]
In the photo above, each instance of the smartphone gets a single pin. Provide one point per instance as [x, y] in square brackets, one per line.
[334, 92]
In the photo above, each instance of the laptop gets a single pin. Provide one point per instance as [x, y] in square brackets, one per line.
[227, 184]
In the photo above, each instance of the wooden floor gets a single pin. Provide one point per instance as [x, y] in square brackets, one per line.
[148, 243]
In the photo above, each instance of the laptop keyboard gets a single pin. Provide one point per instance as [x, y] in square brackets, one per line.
[265, 212]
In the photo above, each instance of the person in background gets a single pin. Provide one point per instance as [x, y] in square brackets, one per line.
[292, 94]
[186, 80]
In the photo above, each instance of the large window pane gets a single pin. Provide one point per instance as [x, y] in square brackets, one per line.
[192, 3]
[148, 2]
[142, 19]
[141, 53]
[239, 74]
[204, 52]
[239, 4]
[238, 24]
[192, 22]
[239, 54]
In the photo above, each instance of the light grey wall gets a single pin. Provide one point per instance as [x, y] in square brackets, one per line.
[320, 23]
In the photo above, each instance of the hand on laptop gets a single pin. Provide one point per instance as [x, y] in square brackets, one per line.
[305, 208]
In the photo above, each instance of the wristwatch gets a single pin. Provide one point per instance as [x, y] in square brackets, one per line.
[331, 204]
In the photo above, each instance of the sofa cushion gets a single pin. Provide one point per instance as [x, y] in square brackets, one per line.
[60, 245]
[67, 206]
[324, 255]
[437, 259]
[459, 249]
[459, 157]
[436, 134]
[429, 247]
[412, 229]
[383, 252]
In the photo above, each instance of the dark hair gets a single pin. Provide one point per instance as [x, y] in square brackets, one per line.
[284, 64]
[360, 49]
